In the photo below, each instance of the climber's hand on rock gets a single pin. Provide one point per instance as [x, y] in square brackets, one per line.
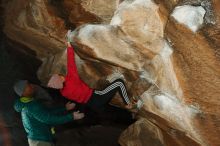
[77, 115]
[70, 106]
[69, 36]
[68, 44]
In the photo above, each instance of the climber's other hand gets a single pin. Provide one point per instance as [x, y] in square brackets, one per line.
[68, 44]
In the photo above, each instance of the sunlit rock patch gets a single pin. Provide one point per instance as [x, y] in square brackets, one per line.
[191, 16]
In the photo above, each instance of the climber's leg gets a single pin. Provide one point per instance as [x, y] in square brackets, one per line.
[102, 97]
[108, 93]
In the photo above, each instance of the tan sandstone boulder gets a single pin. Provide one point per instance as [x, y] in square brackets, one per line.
[168, 51]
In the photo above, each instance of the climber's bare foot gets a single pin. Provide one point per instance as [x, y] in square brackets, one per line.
[129, 106]
[138, 102]
[132, 108]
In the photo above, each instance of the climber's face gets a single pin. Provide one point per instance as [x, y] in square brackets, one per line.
[56, 81]
[62, 78]
[28, 91]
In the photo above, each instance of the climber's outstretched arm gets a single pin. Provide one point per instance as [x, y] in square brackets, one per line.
[71, 65]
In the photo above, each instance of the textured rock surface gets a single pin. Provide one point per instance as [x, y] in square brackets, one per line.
[191, 16]
[34, 24]
[174, 69]
[88, 11]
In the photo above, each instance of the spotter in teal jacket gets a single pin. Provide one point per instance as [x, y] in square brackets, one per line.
[38, 120]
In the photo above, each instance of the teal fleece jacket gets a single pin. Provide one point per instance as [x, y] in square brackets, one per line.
[37, 120]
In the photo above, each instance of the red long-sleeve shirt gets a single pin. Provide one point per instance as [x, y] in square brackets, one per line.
[74, 88]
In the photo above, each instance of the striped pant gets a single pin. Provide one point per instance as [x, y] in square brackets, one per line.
[100, 98]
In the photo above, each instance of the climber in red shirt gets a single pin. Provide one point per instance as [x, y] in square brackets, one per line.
[73, 88]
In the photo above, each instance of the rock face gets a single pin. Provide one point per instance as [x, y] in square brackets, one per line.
[191, 16]
[168, 52]
[34, 24]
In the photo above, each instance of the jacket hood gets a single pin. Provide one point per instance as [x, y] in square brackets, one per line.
[22, 103]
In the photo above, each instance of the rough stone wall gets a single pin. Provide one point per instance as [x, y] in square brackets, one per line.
[170, 60]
